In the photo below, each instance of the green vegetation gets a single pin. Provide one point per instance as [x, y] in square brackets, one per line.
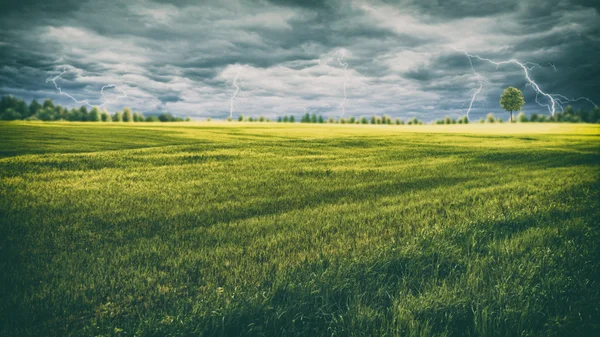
[12, 108]
[512, 100]
[225, 229]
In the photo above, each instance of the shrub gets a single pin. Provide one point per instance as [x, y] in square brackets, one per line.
[152, 119]
[292, 119]
[490, 118]
[352, 120]
[534, 117]
[521, 118]
[241, 118]
[321, 120]
[364, 120]
[261, 118]
[330, 120]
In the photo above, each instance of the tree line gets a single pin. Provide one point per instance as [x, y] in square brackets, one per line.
[12, 108]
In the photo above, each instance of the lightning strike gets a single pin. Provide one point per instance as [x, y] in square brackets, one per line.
[237, 89]
[86, 102]
[556, 100]
[345, 65]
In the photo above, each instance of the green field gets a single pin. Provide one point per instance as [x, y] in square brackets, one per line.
[226, 229]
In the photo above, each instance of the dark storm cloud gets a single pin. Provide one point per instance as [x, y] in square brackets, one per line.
[182, 55]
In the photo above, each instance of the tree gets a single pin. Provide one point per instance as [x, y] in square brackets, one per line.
[127, 115]
[34, 107]
[512, 100]
[104, 116]
[48, 104]
[117, 117]
[286, 119]
[95, 114]
[321, 120]
[152, 119]
[240, 118]
[10, 115]
[490, 118]
[292, 119]
[22, 108]
[83, 113]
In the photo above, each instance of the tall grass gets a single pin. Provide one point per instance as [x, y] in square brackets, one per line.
[228, 229]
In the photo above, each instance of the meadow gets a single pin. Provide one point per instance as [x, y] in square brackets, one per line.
[265, 229]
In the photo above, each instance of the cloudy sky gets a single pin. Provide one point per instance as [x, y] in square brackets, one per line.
[183, 57]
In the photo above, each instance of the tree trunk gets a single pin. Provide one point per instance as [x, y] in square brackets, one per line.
[511, 119]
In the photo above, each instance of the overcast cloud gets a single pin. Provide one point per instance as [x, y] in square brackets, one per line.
[182, 57]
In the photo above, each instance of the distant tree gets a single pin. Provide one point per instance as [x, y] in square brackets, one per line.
[104, 116]
[490, 118]
[46, 114]
[250, 119]
[22, 108]
[141, 117]
[595, 115]
[569, 111]
[94, 114]
[286, 119]
[48, 104]
[364, 120]
[240, 118]
[117, 117]
[279, 119]
[83, 113]
[542, 118]
[373, 120]
[521, 118]
[321, 120]
[127, 115]
[512, 100]
[313, 118]
[499, 120]
[533, 117]
[166, 117]
[292, 119]
[261, 118]
[10, 114]
[152, 119]
[305, 118]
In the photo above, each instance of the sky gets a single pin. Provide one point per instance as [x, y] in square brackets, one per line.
[290, 56]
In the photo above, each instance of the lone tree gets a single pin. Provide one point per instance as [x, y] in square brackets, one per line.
[512, 100]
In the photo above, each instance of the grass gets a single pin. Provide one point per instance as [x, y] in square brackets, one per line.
[217, 229]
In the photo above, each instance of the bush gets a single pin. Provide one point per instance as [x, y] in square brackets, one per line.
[521, 118]
[240, 118]
[364, 120]
[534, 117]
[292, 119]
[152, 119]
[490, 118]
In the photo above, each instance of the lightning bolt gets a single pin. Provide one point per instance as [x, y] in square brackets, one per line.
[556, 100]
[345, 65]
[86, 102]
[237, 89]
